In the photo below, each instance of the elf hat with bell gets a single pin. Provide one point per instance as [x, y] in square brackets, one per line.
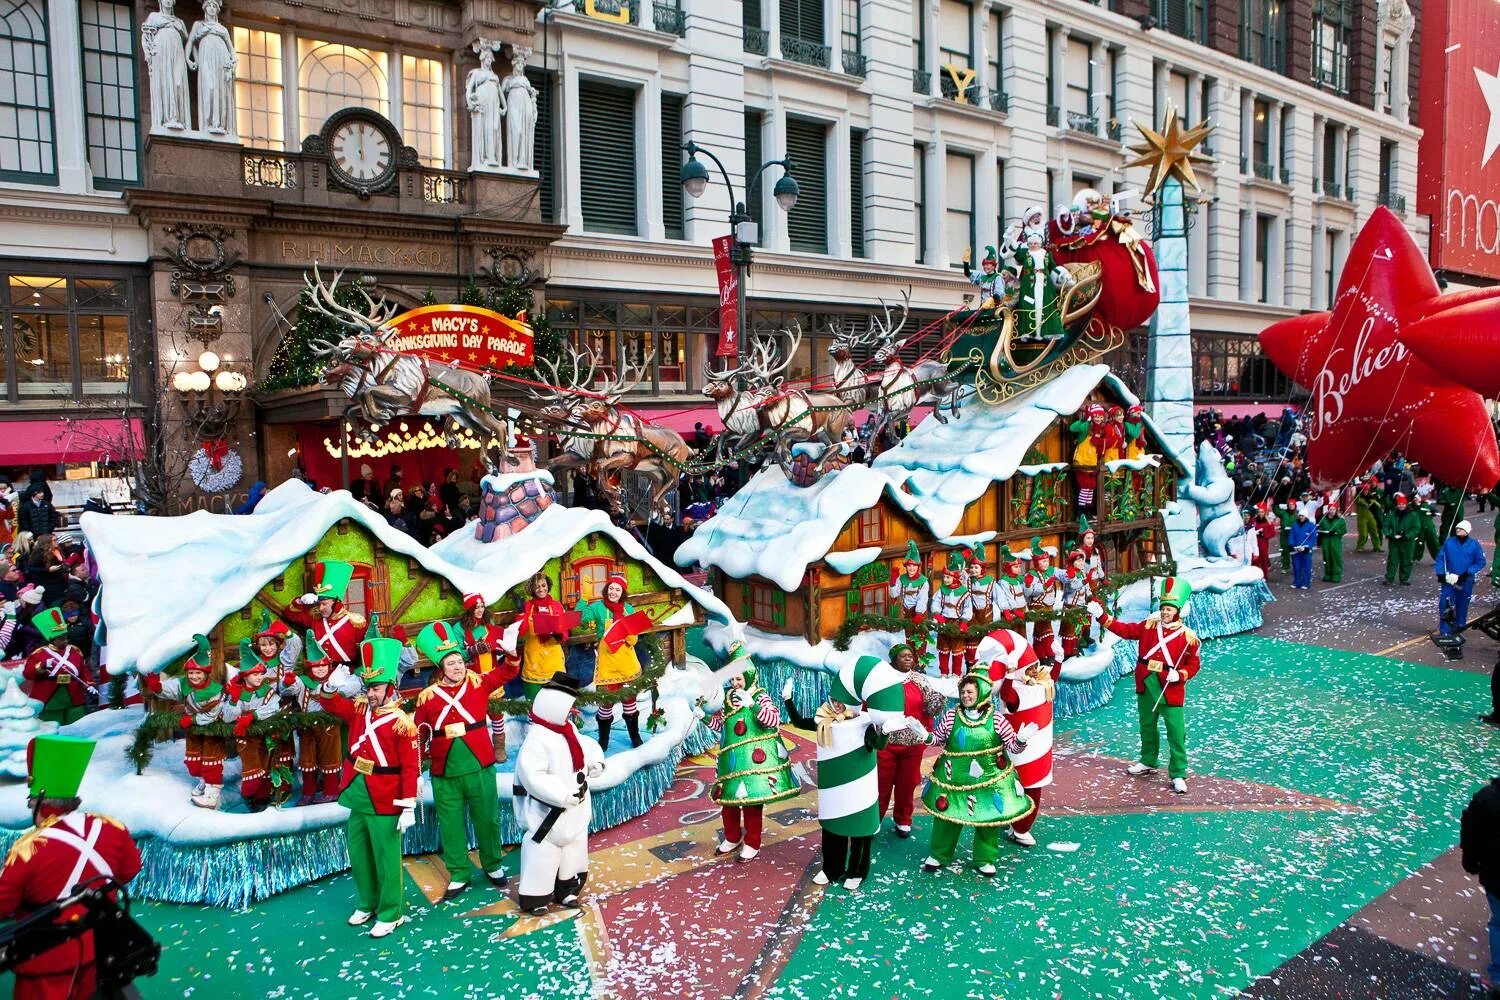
[912, 556]
[250, 661]
[977, 554]
[202, 657]
[56, 765]
[1176, 592]
[955, 563]
[331, 579]
[379, 661]
[274, 628]
[990, 256]
[436, 641]
[51, 624]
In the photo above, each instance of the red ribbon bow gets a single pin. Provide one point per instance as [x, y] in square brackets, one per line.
[217, 451]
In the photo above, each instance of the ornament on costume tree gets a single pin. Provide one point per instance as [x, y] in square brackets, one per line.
[1371, 392]
[215, 467]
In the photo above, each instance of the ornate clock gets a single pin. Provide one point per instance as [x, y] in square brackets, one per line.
[364, 150]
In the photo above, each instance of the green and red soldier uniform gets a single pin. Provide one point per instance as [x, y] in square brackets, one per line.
[911, 592]
[984, 598]
[453, 713]
[202, 702]
[1024, 690]
[952, 607]
[1166, 659]
[379, 786]
[337, 629]
[898, 764]
[67, 848]
[754, 768]
[57, 674]
[320, 748]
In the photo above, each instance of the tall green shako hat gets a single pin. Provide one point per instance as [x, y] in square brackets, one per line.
[51, 624]
[56, 765]
[379, 661]
[331, 579]
[1176, 592]
[436, 641]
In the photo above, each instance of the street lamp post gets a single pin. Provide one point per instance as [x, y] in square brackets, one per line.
[695, 179]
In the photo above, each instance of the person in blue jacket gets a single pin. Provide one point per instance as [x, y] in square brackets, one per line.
[1302, 538]
[1458, 563]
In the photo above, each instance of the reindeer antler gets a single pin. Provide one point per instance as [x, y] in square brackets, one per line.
[324, 302]
[614, 389]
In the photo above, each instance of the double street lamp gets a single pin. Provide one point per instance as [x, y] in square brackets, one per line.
[695, 178]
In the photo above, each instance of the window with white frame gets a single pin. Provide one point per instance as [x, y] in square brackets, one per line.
[1078, 98]
[332, 76]
[107, 34]
[423, 120]
[27, 139]
[258, 88]
[959, 213]
[1333, 29]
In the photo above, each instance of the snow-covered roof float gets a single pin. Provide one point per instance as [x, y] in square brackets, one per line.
[796, 560]
[165, 578]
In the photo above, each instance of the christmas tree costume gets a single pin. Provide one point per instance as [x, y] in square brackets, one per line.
[202, 701]
[340, 633]
[1331, 529]
[848, 738]
[952, 608]
[617, 625]
[753, 766]
[1166, 659]
[379, 785]
[551, 799]
[984, 598]
[910, 590]
[57, 674]
[1024, 690]
[1369, 511]
[265, 761]
[452, 715]
[1044, 590]
[320, 745]
[973, 783]
[1088, 452]
[67, 849]
[1403, 533]
[898, 765]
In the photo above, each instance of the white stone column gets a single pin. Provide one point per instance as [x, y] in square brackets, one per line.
[774, 235]
[772, 13]
[1319, 291]
[571, 209]
[713, 114]
[937, 188]
[70, 146]
[1273, 139]
[840, 214]
[1247, 254]
[1341, 172]
[934, 43]
[1160, 75]
[1194, 112]
[649, 159]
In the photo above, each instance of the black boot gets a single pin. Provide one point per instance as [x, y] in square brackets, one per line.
[534, 905]
[633, 727]
[604, 725]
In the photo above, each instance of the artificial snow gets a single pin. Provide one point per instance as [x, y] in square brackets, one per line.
[19, 725]
[855, 560]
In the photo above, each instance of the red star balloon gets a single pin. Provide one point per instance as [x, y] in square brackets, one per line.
[1460, 337]
[1370, 392]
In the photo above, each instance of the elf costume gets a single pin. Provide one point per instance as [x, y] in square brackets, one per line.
[379, 785]
[1088, 452]
[484, 651]
[1114, 435]
[1044, 591]
[1076, 592]
[951, 607]
[57, 674]
[340, 633]
[453, 717]
[202, 702]
[1024, 690]
[973, 783]
[1369, 512]
[754, 768]
[848, 738]
[1286, 516]
[1010, 591]
[545, 623]
[617, 626]
[320, 747]
[1403, 533]
[1331, 529]
[986, 279]
[910, 589]
[984, 598]
[265, 761]
[1135, 431]
[1166, 659]
[898, 764]
[67, 848]
[1429, 542]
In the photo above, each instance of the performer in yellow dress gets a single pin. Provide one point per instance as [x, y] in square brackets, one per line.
[544, 624]
[617, 625]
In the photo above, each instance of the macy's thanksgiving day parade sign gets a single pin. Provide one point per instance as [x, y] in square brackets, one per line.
[467, 336]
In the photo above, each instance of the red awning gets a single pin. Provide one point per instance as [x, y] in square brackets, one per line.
[50, 442]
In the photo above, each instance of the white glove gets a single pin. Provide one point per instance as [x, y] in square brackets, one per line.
[596, 769]
[895, 725]
[739, 698]
[408, 819]
[1452, 578]
[786, 690]
[9, 609]
[1173, 676]
[1027, 732]
[918, 730]
[308, 599]
[1095, 609]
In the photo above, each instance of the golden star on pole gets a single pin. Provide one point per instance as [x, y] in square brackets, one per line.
[1170, 152]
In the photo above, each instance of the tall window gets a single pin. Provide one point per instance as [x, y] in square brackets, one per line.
[1388, 76]
[1330, 158]
[807, 148]
[70, 337]
[956, 33]
[919, 198]
[257, 88]
[1078, 99]
[959, 213]
[424, 121]
[1263, 258]
[871, 527]
[1000, 223]
[754, 157]
[1260, 134]
[918, 44]
[109, 95]
[850, 26]
[1333, 28]
[27, 139]
[1182, 17]
[546, 132]
[672, 156]
[1177, 93]
[331, 76]
[996, 46]
[857, 192]
[607, 157]
[1387, 171]
[802, 20]
[1331, 264]
[1263, 33]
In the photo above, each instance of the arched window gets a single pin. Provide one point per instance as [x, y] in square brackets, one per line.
[332, 76]
[26, 132]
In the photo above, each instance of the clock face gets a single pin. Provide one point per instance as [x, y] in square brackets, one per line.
[361, 151]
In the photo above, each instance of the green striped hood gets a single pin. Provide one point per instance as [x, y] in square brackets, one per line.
[869, 681]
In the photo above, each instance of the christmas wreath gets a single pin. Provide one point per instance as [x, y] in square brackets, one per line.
[215, 467]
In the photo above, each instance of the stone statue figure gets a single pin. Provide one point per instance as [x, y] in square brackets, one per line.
[519, 100]
[486, 106]
[164, 42]
[210, 52]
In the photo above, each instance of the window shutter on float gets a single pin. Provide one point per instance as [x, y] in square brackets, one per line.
[607, 158]
[807, 148]
[778, 608]
[672, 157]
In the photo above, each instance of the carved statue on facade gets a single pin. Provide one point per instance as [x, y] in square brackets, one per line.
[518, 97]
[486, 108]
[164, 41]
[210, 52]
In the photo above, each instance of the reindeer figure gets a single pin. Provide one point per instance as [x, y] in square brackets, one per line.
[385, 384]
[904, 387]
[741, 391]
[849, 380]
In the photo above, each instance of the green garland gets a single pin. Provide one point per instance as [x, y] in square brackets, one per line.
[647, 681]
[157, 726]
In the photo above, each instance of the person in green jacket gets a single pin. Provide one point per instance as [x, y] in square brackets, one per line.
[1331, 529]
[1286, 514]
[1429, 541]
[1452, 498]
[1369, 511]
[1403, 530]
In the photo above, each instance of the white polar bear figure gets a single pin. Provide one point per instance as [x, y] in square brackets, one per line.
[552, 799]
[1212, 492]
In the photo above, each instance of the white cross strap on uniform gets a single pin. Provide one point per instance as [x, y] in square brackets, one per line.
[329, 640]
[368, 736]
[453, 705]
[84, 845]
[59, 662]
[1161, 647]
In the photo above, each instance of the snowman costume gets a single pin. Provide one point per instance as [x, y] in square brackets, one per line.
[551, 798]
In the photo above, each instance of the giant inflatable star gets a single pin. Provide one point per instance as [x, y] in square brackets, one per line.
[1370, 391]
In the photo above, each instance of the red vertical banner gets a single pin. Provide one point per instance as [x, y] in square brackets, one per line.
[729, 298]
